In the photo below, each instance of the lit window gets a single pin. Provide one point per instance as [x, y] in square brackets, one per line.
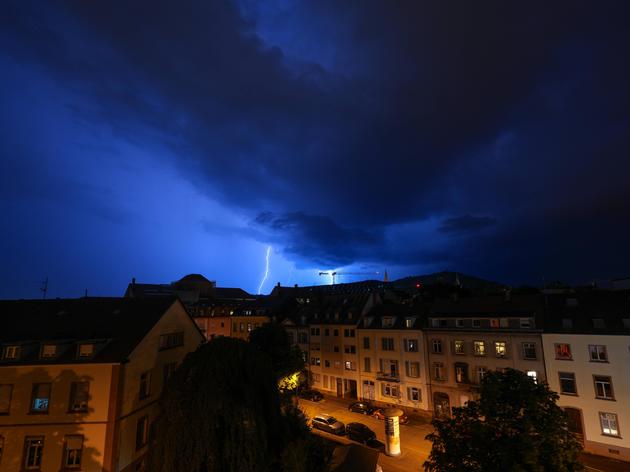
[563, 351]
[49, 350]
[603, 387]
[460, 347]
[40, 398]
[409, 322]
[494, 323]
[598, 353]
[461, 372]
[479, 348]
[11, 352]
[481, 373]
[533, 375]
[567, 383]
[438, 371]
[73, 451]
[411, 345]
[315, 361]
[349, 365]
[529, 350]
[86, 350]
[500, 348]
[33, 450]
[609, 424]
[79, 396]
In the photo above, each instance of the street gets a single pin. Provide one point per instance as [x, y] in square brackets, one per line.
[415, 449]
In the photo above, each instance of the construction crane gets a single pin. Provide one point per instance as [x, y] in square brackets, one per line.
[335, 274]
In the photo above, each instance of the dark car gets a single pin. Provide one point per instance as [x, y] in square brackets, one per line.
[312, 395]
[362, 407]
[359, 432]
[378, 414]
[329, 424]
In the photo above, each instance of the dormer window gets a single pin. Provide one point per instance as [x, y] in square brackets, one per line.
[11, 352]
[49, 351]
[388, 322]
[599, 323]
[86, 350]
[409, 322]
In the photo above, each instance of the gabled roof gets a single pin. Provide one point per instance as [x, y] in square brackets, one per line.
[116, 324]
[516, 305]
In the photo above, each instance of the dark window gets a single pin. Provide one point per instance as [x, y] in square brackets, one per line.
[171, 340]
[145, 385]
[366, 343]
[168, 370]
[40, 398]
[79, 396]
[567, 383]
[33, 450]
[529, 350]
[387, 344]
[142, 432]
[348, 333]
[437, 346]
[335, 332]
[6, 392]
[597, 353]
[73, 451]
[350, 349]
[603, 387]
[367, 364]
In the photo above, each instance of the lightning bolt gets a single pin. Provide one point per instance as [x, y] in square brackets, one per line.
[266, 270]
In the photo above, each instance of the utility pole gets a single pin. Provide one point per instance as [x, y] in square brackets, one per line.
[44, 288]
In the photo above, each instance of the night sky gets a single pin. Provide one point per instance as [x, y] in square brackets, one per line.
[152, 139]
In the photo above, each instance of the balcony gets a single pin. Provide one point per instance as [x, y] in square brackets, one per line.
[388, 376]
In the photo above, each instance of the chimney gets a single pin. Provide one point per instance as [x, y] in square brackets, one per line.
[278, 284]
[133, 281]
[296, 285]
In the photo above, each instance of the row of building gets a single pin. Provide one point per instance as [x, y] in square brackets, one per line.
[80, 378]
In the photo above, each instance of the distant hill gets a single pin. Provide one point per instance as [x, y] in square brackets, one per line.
[449, 278]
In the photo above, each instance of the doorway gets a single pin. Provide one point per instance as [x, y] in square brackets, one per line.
[441, 405]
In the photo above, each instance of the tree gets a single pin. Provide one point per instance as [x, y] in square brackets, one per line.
[220, 412]
[273, 340]
[515, 425]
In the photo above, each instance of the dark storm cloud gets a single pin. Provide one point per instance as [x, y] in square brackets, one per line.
[466, 224]
[422, 111]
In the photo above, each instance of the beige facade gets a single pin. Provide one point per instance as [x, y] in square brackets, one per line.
[84, 414]
[591, 373]
[242, 325]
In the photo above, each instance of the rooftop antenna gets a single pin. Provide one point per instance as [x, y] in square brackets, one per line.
[44, 288]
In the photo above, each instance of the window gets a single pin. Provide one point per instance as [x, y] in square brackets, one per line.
[387, 344]
[366, 342]
[325, 381]
[314, 331]
[350, 349]
[316, 378]
[11, 352]
[40, 398]
[567, 323]
[48, 351]
[86, 350]
[414, 394]
[335, 332]
[603, 387]
[481, 373]
[389, 367]
[438, 371]
[526, 322]
[567, 383]
[609, 424]
[476, 323]
[315, 347]
[409, 322]
[337, 364]
[73, 450]
[597, 353]
[599, 323]
[33, 449]
[437, 346]
[326, 331]
[142, 428]
[387, 322]
[167, 371]
[241, 327]
[443, 323]
[145, 385]
[349, 365]
[390, 390]
[348, 333]
[79, 396]
[533, 375]
[500, 348]
[411, 345]
[494, 323]
[459, 323]
[479, 348]
[563, 351]
[249, 327]
[460, 347]
[412, 369]
[366, 364]
[315, 361]
[529, 350]
[6, 392]
[461, 372]
[170, 340]
[336, 348]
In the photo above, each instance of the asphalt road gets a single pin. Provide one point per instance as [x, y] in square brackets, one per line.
[415, 449]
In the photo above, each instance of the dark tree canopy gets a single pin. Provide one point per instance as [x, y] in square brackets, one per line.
[515, 425]
[273, 340]
[220, 412]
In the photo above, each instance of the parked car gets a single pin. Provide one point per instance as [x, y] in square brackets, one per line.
[362, 407]
[312, 395]
[378, 414]
[359, 432]
[329, 424]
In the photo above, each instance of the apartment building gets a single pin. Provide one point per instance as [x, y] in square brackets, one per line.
[393, 368]
[80, 379]
[468, 337]
[587, 353]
